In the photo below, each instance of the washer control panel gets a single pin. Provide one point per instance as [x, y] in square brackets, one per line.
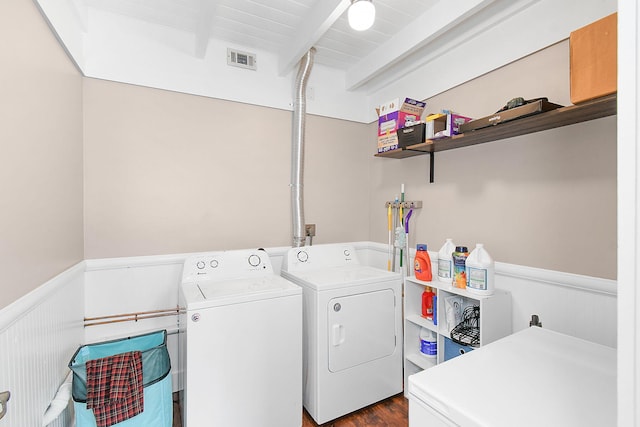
[227, 265]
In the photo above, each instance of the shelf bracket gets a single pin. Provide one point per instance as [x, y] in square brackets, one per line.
[431, 165]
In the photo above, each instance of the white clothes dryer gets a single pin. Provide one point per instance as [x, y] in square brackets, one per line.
[352, 352]
[240, 342]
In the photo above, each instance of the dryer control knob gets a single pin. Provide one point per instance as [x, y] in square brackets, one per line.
[214, 263]
[254, 260]
[303, 256]
[200, 265]
[347, 252]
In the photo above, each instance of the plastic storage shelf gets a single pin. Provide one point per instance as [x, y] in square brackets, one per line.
[494, 322]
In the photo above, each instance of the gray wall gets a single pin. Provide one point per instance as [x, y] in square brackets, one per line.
[168, 173]
[544, 200]
[40, 153]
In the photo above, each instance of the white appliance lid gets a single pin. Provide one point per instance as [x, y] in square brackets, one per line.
[339, 277]
[208, 293]
[534, 377]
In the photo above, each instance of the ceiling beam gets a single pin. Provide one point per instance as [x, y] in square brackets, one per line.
[204, 22]
[321, 16]
[418, 33]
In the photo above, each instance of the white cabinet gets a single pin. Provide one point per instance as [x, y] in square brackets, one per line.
[494, 322]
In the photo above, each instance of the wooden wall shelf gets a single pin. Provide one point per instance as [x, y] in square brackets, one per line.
[590, 110]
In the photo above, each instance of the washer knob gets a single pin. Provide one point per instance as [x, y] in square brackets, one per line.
[254, 260]
[200, 265]
[347, 252]
[214, 263]
[303, 256]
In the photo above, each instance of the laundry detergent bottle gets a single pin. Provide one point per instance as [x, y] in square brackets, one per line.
[428, 343]
[459, 267]
[422, 263]
[480, 271]
[427, 303]
[445, 261]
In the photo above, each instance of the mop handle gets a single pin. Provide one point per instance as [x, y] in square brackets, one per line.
[395, 222]
[406, 230]
[389, 224]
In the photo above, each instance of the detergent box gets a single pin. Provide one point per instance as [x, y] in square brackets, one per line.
[395, 115]
[434, 123]
[444, 125]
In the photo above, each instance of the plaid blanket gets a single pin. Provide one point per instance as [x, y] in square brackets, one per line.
[114, 388]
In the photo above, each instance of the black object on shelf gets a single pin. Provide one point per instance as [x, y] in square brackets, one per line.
[467, 332]
[411, 135]
[508, 113]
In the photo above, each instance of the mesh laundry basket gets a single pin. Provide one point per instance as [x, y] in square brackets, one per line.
[158, 402]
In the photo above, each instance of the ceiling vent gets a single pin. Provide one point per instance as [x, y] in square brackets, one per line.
[241, 59]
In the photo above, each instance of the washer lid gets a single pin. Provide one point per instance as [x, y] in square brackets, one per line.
[236, 291]
[534, 377]
[340, 277]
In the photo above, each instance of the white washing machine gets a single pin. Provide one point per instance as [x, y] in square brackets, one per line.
[535, 377]
[352, 352]
[240, 342]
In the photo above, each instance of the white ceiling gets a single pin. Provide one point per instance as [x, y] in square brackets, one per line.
[416, 48]
[276, 26]
[288, 28]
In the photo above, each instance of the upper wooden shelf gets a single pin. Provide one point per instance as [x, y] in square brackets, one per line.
[590, 110]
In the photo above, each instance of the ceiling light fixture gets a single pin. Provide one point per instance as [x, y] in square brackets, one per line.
[361, 14]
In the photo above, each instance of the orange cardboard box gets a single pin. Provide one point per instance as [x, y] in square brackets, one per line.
[593, 57]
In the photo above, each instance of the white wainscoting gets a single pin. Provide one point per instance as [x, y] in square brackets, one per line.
[130, 285]
[40, 332]
[576, 305]
[581, 306]
[38, 335]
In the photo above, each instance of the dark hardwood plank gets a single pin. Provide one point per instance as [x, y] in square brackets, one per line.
[391, 412]
[177, 415]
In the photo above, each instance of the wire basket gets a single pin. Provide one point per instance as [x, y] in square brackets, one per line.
[467, 332]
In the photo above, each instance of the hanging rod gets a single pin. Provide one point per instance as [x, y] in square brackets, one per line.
[130, 317]
[405, 205]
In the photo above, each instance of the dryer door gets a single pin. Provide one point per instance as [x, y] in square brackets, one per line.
[361, 328]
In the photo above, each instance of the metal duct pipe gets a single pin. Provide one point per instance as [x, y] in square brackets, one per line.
[297, 149]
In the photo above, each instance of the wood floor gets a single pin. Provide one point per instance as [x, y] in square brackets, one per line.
[391, 412]
[177, 415]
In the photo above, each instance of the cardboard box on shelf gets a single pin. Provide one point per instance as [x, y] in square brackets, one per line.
[444, 125]
[593, 59]
[434, 123]
[394, 115]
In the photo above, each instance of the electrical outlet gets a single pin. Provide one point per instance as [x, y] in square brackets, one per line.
[310, 230]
